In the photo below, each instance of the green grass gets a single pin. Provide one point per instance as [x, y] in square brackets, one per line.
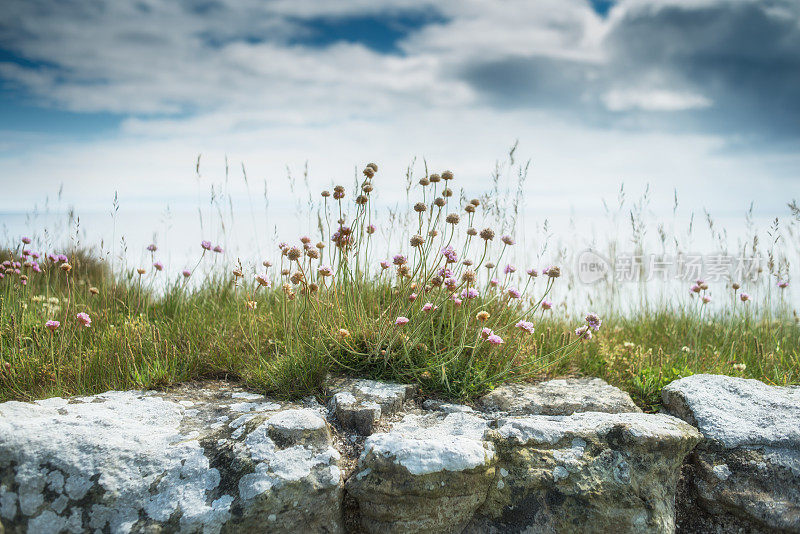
[141, 340]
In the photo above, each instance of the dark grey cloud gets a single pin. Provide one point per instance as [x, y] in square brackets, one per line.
[735, 64]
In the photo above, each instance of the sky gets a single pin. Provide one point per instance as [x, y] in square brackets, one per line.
[99, 98]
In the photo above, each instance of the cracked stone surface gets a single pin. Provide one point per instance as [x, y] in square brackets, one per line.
[213, 458]
[749, 462]
[591, 472]
[561, 396]
[358, 403]
[429, 473]
[193, 460]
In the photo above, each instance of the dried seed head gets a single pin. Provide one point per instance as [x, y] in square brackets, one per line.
[440, 202]
[469, 208]
[447, 175]
[435, 178]
[313, 287]
[554, 272]
[472, 231]
[735, 286]
[66, 267]
[487, 234]
[367, 188]
[294, 253]
[326, 193]
[94, 290]
[305, 240]
[468, 276]
[420, 207]
[475, 202]
[312, 253]
[338, 189]
[436, 281]
[237, 272]
[447, 193]
[140, 271]
[285, 272]
[374, 166]
[362, 199]
[508, 240]
[482, 315]
[320, 245]
[371, 229]
[296, 277]
[404, 270]
[417, 240]
[344, 332]
[489, 265]
[452, 218]
[369, 172]
[467, 262]
[433, 233]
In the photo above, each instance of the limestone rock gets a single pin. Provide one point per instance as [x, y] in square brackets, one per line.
[191, 460]
[588, 472]
[749, 463]
[358, 404]
[428, 474]
[562, 396]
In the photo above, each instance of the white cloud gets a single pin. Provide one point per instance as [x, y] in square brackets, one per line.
[653, 100]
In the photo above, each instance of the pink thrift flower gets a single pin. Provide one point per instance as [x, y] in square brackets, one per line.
[514, 293]
[325, 270]
[384, 264]
[412, 297]
[36, 268]
[26, 252]
[593, 321]
[35, 255]
[205, 244]
[546, 304]
[470, 293]
[509, 269]
[26, 240]
[526, 326]
[494, 339]
[159, 266]
[533, 273]
[429, 307]
[52, 325]
[186, 273]
[218, 249]
[783, 284]
[263, 280]
[152, 247]
[584, 332]
[63, 258]
[486, 332]
[450, 254]
[744, 297]
[84, 319]
[695, 288]
[494, 282]
[400, 321]
[399, 259]
[457, 301]
[706, 299]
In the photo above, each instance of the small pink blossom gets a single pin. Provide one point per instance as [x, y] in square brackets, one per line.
[84, 319]
[494, 282]
[428, 307]
[584, 332]
[263, 280]
[494, 339]
[470, 293]
[533, 273]
[412, 297]
[526, 326]
[486, 332]
[52, 325]
[218, 249]
[158, 266]
[186, 273]
[509, 269]
[152, 247]
[401, 321]
[706, 299]
[26, 240]
[744, 297]
[546, 304]
[514, 293]
[384, 264]
[205, 244]
[456, 301]
[783, 284]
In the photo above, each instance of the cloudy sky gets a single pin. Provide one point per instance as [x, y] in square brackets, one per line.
[121, 96]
